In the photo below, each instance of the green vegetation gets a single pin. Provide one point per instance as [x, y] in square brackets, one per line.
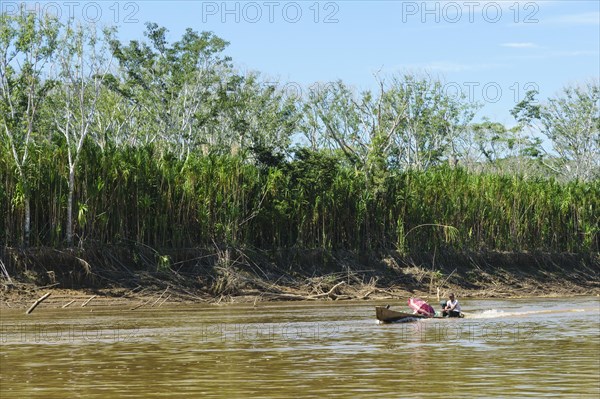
[170, 147]
[315, 200]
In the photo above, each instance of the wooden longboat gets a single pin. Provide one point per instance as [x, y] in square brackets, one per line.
[387, 315]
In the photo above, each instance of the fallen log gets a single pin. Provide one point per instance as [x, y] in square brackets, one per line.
[165, 300]
[36, 303]
[88, 301]
[160, 297]
[67, 304]
[141, 304]
[367, 294]
[329, 294]
[5, 272]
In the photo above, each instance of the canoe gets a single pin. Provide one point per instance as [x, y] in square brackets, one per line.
[387, 315]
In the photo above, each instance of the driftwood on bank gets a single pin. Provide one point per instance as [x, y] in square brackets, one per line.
[141, 304]
[165, 300]
[5, 272]
[46, 286]
[329, 294]
[36, 303]
[160, 297]
[67, 304]
[88, 301]
[388, 294]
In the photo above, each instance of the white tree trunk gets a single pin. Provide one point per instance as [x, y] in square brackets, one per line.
[69, 227]
[27, 222]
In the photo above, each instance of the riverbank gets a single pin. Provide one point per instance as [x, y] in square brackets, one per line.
[135, 276]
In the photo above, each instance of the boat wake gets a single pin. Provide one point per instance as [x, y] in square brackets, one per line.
[494, 313]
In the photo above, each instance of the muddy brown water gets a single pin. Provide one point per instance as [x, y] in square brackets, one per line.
[530, 348]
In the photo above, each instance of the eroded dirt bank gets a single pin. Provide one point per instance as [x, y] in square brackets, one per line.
[136, 276]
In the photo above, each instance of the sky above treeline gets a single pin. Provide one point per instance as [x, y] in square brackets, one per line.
[493, 51]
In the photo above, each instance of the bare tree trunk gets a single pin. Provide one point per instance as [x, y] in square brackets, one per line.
[69, 227]
[27, 223]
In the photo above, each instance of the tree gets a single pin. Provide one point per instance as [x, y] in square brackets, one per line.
[435, 119]
[27, 45]
[571, 121]
[491, 139]
[410, 124]
[332, 120]
[174, 88]
[498, 146]
[113, 124]
[256, 119]
[81, 68]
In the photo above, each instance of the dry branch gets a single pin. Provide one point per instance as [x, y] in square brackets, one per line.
[367, 294]
[88, 301]
[46, 295]
[46, 286]
[67, 304]
[141, 304]
[160, 297]
[5, 272]
[331, 294]
[164, 300]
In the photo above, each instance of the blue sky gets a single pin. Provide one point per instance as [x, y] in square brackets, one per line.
[493, 50]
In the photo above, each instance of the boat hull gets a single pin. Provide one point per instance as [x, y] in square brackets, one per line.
[386, 315]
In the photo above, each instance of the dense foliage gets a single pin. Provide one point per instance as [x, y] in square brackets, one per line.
[169, 146]
[314, 200]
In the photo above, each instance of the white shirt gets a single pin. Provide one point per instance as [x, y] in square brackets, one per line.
[455, 304]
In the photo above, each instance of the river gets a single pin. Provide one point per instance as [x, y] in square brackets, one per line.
[525, 348]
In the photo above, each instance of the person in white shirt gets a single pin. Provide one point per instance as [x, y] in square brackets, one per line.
[452, 308]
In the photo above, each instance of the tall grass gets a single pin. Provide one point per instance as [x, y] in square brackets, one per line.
[315, 200]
